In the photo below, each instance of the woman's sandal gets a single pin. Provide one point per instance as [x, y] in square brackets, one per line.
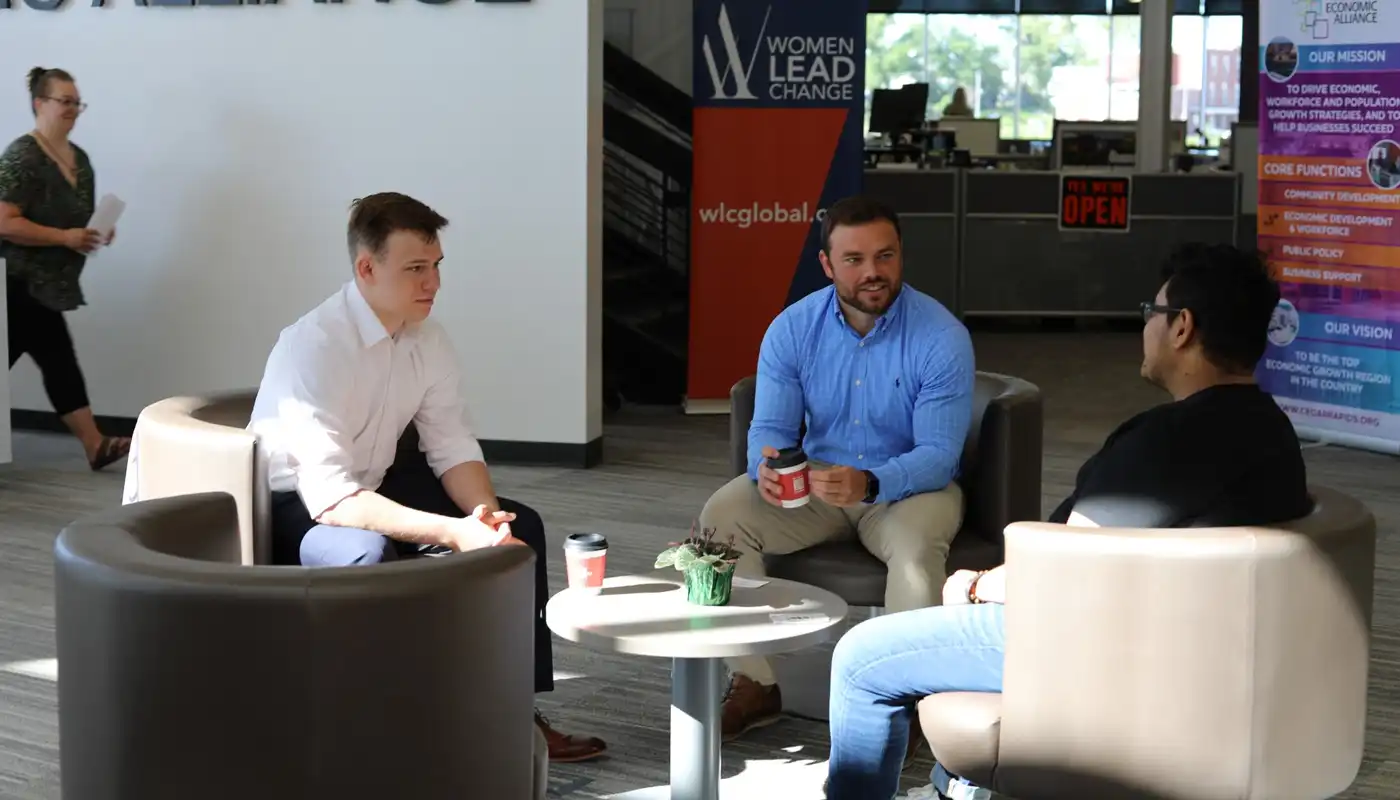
[112, 450]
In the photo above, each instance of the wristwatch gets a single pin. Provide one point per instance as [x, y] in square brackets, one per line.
[872, 486]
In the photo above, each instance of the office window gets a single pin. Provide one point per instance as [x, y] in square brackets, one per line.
[1063, 68]
[894, 53]
[1220, 104]
[1125, 37]
[1188, 50]
[974, 52]
[1030, 69]
[1205, 73]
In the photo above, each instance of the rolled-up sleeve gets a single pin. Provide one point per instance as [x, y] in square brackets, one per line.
[310, 427]
[443, 421]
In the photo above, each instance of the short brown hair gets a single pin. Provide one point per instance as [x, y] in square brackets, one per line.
[856, 210]
[39, 80]
[374, 218]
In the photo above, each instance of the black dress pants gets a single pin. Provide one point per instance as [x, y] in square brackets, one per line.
[298, 539]
[41, 332]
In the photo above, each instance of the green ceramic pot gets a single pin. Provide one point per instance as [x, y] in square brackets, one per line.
[705, 587]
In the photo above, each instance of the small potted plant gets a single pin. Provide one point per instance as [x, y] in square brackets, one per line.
[708, 566]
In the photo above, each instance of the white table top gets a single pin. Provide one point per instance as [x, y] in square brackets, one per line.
[648, 615]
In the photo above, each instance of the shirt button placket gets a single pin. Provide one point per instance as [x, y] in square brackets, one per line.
[858, 403]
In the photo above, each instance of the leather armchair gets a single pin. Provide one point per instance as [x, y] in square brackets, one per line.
[1209, 664]
[184, 674]
[187, 445]
[1000, 478]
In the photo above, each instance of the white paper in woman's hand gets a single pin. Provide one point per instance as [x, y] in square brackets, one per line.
[104, 217]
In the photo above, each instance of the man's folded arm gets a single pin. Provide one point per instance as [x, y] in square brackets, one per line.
[778, 406]
[942, 415]
[319, 451]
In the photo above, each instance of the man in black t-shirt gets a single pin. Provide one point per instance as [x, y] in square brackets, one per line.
[1220, 453]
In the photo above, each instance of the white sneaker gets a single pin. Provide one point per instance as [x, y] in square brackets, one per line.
[960, 790]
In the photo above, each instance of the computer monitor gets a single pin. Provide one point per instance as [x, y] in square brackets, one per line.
[915, 97]
[1109, 143]
[980, 136]
[895, 111]
[1099, 148]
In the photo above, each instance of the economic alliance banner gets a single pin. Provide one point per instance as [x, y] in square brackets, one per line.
[1329, 214]
[779, 93]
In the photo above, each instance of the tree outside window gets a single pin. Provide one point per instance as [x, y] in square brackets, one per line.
[1029, 70]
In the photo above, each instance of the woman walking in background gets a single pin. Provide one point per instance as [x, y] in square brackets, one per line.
[46, 200]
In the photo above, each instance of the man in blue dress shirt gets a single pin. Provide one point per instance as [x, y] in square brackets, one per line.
[882, 375]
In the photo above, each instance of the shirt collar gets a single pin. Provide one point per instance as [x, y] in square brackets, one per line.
[371, 330]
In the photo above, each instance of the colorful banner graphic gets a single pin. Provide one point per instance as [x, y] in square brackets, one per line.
[1329, 215]
[779, 116]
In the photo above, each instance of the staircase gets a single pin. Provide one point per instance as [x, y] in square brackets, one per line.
[646, 234]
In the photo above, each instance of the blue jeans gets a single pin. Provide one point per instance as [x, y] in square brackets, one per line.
[883, 667]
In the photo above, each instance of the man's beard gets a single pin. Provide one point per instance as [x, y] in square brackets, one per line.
[873, 308]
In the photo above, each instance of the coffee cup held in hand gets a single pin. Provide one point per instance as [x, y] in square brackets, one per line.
[586, 559]
[793, 481]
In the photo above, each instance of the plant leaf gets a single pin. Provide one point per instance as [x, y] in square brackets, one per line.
[723, 567]
[685, 557]
[666, 558]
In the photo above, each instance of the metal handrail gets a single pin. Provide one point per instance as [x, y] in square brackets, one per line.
[646, 185]
[639, 200]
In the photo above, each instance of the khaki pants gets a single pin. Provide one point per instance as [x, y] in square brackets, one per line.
[911, 536]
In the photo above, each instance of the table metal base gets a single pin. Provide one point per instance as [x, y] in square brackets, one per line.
[697, 688]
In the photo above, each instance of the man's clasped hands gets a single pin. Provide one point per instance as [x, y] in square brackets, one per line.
[486, 528]
[843, 487]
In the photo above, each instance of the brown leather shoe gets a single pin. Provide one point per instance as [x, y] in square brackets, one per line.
[567, 749]
[747, 705]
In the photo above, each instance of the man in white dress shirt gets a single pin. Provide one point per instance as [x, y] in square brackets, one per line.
[352, 481]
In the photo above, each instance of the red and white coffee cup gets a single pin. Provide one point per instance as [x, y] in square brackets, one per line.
[586, 560]
[793, 482]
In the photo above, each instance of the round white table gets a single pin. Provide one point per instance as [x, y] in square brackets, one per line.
[647, 615]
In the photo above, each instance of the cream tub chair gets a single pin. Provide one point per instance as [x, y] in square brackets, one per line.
[189, 445]
[1209, 664]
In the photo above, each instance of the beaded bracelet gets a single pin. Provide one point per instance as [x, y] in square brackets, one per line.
[972, 588]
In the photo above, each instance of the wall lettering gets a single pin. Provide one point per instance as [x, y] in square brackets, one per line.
[54, 5]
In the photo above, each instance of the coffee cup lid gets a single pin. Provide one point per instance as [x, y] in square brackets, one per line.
[788, 457]
[586, 542]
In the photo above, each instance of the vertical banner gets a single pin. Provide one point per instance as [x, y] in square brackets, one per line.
[778, 136]
[1329, 215]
